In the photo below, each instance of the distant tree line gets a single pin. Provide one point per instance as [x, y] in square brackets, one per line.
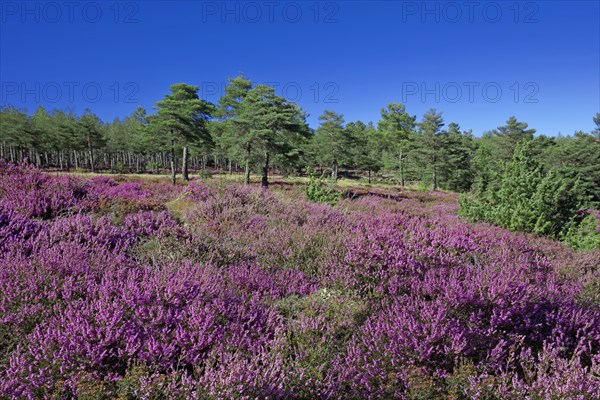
[254, 130]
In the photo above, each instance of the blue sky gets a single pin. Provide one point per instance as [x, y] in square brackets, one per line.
[478, 62]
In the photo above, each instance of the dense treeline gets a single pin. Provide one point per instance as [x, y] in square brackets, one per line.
[253, 129]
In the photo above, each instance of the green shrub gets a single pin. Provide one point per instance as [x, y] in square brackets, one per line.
[205, 174]
[526, 198]
[319, 192]
[585, 235]
[120, 168]
[153, 166]
[422, 186]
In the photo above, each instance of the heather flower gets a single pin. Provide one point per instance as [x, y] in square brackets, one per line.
[139, 289]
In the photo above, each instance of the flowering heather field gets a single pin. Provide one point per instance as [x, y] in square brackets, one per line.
[117, 288]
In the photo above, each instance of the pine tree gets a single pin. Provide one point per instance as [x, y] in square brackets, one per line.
[270, 125]
[332, 142]
[90, 128]
[509, 135]
[181, 119]
[596, 131]
[457, 150]
[428, 149]
[364, 151]
[229, 135]
[397, 127]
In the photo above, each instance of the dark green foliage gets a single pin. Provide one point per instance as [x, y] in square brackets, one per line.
[576, 157]
[456, 170]
[508, 136]
[181, 121]
[90, 126]
[428, 151]
[396, 128]
[229, 134]
[259, 127]
[332, 143]
[181, 116]
[526, 198]
[16, 128]
[364, 154]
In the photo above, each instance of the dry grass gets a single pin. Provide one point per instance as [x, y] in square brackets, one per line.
[276, 181]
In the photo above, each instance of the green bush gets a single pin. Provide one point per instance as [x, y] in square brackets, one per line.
[526, 198]
[153, 166]
[585, 235]
[318, 191]
[120, 168]
[422, 186]
[205, 174]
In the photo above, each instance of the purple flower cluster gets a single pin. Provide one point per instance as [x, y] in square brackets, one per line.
[449, 294]
[117, 288]
[35, 194]
[103, 194]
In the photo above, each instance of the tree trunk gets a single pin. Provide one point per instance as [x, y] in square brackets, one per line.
[433, 180]
[247, 173]
[173, 170]
[401, 169]
[230, 172]
[334, 171]
[265, 173]
[369, 176]
[185, 172]
[91, 154]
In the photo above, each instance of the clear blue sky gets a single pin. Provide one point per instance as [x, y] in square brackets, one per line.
[479, 64]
